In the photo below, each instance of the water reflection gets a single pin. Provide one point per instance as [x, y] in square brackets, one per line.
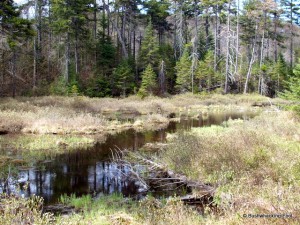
[89, 171]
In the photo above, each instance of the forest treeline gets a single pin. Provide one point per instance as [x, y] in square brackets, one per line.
[119, 47]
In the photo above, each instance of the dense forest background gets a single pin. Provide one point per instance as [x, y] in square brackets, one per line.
[119, 47]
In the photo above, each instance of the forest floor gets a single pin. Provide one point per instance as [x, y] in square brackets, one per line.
[253, 165]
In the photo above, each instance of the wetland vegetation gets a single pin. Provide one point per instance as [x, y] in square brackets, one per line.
[247, 148]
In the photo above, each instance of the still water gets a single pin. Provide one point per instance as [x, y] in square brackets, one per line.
[90, 171]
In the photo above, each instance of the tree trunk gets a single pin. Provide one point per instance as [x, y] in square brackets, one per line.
[216, 37]
[206, 33]
[162, 78]
[35, 59]
[251, 63]
[121, 40]
[227, 51]
[76, 54]
[49, 44]
[260, 82]
[2, 69]
[14, 61]
[237, 38]
[67, 58]
[95, 20]
[275, 37]
[292, 35]
[37, 40]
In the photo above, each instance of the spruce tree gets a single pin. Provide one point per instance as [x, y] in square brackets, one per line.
[183, 72]
[293, 89]
[278, 72]
[123, 78]
[205, 71]
[12, 25]
[70, 18]
[148, 81]
[149, 53]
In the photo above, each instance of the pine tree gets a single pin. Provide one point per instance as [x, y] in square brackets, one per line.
[148, 82]
[183, 72]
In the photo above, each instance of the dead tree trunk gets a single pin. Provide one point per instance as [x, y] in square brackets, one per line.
[251, 63]
[227, 51]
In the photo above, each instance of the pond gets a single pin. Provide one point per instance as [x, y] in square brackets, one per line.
[90, 171]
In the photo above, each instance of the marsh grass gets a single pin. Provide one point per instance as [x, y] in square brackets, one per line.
[254, 166]
[16, 210]
[83, 115]
[115, 209]
[36, 143]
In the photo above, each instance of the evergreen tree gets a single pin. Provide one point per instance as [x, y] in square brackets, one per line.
[123, 77]
[148, 82]
[70, 18]
[13, 31]
[205, 72]
[278, 72]
[158, 11]
[149, 53]
[293, 85]
[166, 53]
[291, 8]
[12, 25]
[106, 54]
[183, 72]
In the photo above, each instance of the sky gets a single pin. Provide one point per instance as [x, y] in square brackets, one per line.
[20, 1]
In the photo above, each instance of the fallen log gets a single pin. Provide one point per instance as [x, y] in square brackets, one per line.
[60, 209]
[169, 175]
[157, 177]
[197, 200]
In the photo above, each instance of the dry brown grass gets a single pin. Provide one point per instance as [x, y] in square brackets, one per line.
[82, 115]
[79, 115]
[54, 114]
